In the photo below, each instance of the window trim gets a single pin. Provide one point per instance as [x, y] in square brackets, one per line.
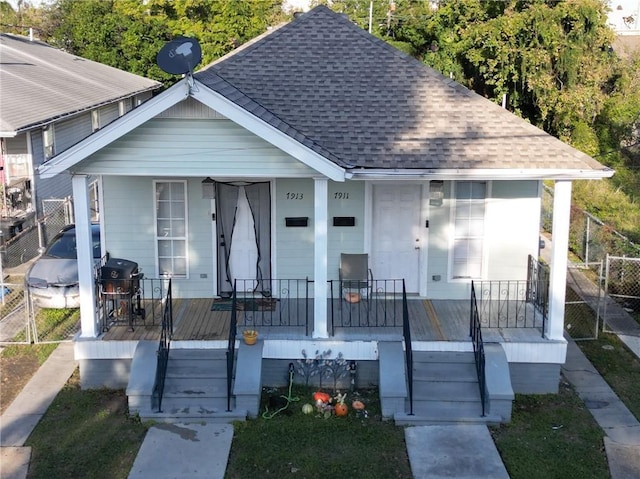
[48, 147]
[452, 236]
[185, 238]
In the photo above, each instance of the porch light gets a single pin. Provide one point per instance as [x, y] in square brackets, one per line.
[208, 188]
[436, 192]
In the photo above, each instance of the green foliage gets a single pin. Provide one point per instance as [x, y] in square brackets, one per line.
[128, 34]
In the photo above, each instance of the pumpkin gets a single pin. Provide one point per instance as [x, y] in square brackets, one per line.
[320, 397]
[358, 405]
[307, 408]
[341, 409]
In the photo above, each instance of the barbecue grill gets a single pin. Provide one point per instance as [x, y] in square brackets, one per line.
[120, 290]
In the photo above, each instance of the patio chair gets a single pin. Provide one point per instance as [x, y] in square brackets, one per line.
[356, 278]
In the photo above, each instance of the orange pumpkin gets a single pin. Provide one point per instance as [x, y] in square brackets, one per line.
[341, 409]
[319, 396]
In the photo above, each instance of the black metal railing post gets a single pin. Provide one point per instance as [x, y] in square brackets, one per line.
[408, 350]
[164, 345]
[478, 347]
[231, 347]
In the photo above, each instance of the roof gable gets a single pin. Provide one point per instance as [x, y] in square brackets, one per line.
[366, 106]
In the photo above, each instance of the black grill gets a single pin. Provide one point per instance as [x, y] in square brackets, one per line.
[120, 276]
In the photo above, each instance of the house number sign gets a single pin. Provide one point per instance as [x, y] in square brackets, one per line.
[340, 195]
[294, 196]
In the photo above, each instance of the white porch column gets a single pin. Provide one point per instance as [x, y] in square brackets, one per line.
[559, 252]
[82, 212]
[320, 208]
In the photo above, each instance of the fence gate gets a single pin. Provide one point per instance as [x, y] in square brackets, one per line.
[14, 321]
[622, 285]
[583, 301]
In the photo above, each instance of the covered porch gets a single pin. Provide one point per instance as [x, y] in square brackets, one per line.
[207, 319]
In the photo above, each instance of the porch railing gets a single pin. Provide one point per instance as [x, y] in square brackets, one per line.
[273, 302]
[511, 304]
[231, 348]
[163, 348]
[408, 350]
[380, 304]
[538, 283]
[143, 303]
[478, 347]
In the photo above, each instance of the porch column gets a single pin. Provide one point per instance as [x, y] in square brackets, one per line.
[320, 207]
[559, 252]
[82, 212]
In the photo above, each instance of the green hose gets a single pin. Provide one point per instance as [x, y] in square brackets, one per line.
[288, 397]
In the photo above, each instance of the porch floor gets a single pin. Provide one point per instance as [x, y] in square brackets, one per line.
[430, 320]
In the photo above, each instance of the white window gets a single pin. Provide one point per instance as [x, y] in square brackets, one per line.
[171, 228]
[466, 261]
[47, 141]
[95, 120]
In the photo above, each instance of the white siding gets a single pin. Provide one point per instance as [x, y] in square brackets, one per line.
[512, 224]
[294, 198]
[192, 109]
[345, 199]
[128, 212]
[198, 148]
[108, 113]
[512, 229]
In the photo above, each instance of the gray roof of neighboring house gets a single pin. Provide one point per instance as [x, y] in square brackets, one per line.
[363, 104]
[39, 83]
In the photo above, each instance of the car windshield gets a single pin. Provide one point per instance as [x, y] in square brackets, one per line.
[64, 246]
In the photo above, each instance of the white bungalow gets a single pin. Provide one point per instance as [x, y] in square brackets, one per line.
[250, 179]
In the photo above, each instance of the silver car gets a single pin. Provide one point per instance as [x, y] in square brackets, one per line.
[52, 280]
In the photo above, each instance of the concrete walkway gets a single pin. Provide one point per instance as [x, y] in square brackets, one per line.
[24, 413]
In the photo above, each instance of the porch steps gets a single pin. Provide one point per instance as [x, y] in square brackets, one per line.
[445, 391]
[196, 388]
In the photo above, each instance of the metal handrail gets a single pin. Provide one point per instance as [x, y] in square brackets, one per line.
[163, 347]
[408, 350]
[478, 347]
[231, 347]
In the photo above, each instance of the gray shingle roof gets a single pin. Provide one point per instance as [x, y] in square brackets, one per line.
[39, 83]
[363, 104]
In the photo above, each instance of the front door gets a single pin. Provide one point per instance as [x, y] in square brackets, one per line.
[243, 235]
[396, 241]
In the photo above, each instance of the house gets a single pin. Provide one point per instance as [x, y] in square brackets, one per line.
[50, 101]
[252, 177]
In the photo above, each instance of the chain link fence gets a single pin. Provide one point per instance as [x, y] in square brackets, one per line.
[589, 238]
[622, 284]
[14, 322]
[27, 244]
[584, 300]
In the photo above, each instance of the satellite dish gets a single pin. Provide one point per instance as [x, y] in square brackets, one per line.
[180, 55]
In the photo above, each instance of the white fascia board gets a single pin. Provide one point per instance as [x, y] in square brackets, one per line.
[480, 174]
[120, 127]
[7, 134]
[267, 132]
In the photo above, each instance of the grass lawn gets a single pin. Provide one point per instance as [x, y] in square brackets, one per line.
[299, 445]
[552, 436]
[85, 434]
[618, 366]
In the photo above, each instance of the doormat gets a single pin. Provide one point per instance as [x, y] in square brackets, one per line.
[250, 304]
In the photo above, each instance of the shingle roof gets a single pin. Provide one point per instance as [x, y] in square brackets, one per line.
[39, 83]
[363, 104]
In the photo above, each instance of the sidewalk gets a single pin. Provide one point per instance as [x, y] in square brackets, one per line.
[24, 413]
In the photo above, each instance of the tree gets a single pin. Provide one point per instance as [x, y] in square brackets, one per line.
[128, 34]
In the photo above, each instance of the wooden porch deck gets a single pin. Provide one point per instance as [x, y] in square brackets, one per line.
[430, 320]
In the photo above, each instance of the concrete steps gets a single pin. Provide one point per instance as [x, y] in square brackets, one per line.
[195, 389]
[445, 391]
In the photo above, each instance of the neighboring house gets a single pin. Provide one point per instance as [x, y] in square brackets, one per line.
[49, 101]
[313, 140]
[624, 19]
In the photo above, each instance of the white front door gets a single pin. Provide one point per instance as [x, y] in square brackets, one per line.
[396, 240]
